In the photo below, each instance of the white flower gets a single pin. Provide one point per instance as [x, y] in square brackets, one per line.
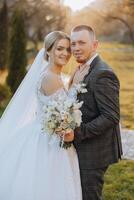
[83, 90]
[68, 103]
[81, 87]
[69, 119]
[77, 114]
[77, 105]
[63, 112]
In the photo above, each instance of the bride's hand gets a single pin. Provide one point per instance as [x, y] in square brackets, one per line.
[69, 136]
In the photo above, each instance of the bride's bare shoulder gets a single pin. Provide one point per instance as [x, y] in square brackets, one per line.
[50, 83]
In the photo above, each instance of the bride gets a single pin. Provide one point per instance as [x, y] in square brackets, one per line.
[32, 165]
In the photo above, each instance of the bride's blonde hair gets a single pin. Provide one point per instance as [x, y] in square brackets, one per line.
[50, 40]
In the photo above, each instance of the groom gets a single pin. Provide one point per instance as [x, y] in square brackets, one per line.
[97, 140]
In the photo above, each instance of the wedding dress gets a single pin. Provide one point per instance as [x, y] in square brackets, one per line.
[33, 166]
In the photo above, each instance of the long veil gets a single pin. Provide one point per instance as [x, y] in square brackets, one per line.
[22, 107]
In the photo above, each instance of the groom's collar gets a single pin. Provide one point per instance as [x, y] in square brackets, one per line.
[92, 65]
[96, 60]
[89, 62]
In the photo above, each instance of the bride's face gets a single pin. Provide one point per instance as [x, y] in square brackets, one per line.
[60, 53]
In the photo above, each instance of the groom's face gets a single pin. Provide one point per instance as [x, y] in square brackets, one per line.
[83, 45]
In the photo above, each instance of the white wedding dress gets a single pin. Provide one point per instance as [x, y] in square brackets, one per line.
[34, 167]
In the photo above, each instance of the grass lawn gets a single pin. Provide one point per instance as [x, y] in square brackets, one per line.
[1, 111]
[119, 181]
[122, 61]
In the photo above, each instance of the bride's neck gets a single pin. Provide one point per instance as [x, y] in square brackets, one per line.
[55, 69]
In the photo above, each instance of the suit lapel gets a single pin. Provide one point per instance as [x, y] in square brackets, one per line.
[93, 64]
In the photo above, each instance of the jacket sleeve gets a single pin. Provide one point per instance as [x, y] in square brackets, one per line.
[106, 93]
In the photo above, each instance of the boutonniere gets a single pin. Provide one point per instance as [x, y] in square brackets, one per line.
[81, 87]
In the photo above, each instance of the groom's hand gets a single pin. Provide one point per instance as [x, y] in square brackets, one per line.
[80, 74]
[69, 136]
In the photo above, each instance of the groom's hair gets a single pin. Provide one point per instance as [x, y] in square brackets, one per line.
[84, 27]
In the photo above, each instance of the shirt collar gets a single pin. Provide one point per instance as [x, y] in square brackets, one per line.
[91, 59]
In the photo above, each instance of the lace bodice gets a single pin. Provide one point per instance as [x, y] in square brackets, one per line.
[44, 99]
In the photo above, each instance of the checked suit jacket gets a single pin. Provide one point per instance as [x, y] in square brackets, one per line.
[97, 140]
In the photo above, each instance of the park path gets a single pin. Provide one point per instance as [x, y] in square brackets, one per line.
[128, 143]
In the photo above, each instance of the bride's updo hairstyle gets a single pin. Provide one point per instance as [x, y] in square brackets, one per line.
[51, 39]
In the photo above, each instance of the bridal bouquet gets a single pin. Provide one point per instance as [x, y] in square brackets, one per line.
[62, 114]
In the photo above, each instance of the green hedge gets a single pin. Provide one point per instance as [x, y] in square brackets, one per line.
[5, 95]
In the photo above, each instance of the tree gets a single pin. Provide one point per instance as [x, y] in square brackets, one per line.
[125, 16]
[51, 14]
[122, 11]
[3, 35]
[40, 17]
[17, 54]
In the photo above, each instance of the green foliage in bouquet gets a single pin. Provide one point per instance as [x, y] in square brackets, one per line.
[5, 95]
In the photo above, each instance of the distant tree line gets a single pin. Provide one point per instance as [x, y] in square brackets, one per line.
[22, 21]
[112, 20]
